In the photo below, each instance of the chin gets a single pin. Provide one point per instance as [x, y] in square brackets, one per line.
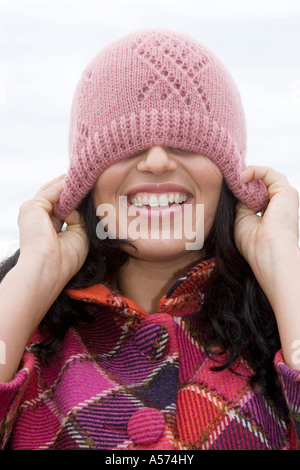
[158, 249]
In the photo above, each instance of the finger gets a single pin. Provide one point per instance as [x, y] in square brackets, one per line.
[267, 174]
[243, 211]
[51, 182]
[283, 197]
[49, 195]
[72, 221]
[44, 200]
[73, 218]
[74, 224]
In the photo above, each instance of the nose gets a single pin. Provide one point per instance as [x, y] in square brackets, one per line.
[157, 160]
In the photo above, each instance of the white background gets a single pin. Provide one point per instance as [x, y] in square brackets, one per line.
[45, 45]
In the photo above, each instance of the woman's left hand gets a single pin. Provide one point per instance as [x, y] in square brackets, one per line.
[269, 243]
[265, 240]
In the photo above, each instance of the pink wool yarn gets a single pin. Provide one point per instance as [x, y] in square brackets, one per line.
[156, 87]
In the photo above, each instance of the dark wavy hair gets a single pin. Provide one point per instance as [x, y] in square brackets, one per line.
[236, 314]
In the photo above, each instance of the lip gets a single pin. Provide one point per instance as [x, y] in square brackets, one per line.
[156, 188]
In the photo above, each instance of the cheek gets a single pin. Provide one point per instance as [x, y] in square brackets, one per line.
[104, 188]
[210, 210]
[211, 197]
[210, 186]
[109, 182]
[98, 196]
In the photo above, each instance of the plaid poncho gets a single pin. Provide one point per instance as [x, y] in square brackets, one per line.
[130, 381]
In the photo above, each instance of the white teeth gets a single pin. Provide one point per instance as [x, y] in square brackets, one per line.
[153, 200]
[162, 200]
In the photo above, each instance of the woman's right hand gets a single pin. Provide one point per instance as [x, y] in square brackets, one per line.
[62, 253]
[48, 259]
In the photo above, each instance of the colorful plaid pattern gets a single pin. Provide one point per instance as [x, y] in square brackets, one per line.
[131, 380]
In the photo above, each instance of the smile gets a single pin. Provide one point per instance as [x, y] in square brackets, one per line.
[158, 196]
[158, 200]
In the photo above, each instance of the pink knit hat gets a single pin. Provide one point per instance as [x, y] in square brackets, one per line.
[156, 87]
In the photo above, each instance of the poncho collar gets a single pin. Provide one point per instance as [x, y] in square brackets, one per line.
[185, 296]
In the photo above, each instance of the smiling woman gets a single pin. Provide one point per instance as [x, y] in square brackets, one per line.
[123, 336]
[166, 188]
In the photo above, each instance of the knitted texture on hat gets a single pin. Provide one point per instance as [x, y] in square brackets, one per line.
[156, 87]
